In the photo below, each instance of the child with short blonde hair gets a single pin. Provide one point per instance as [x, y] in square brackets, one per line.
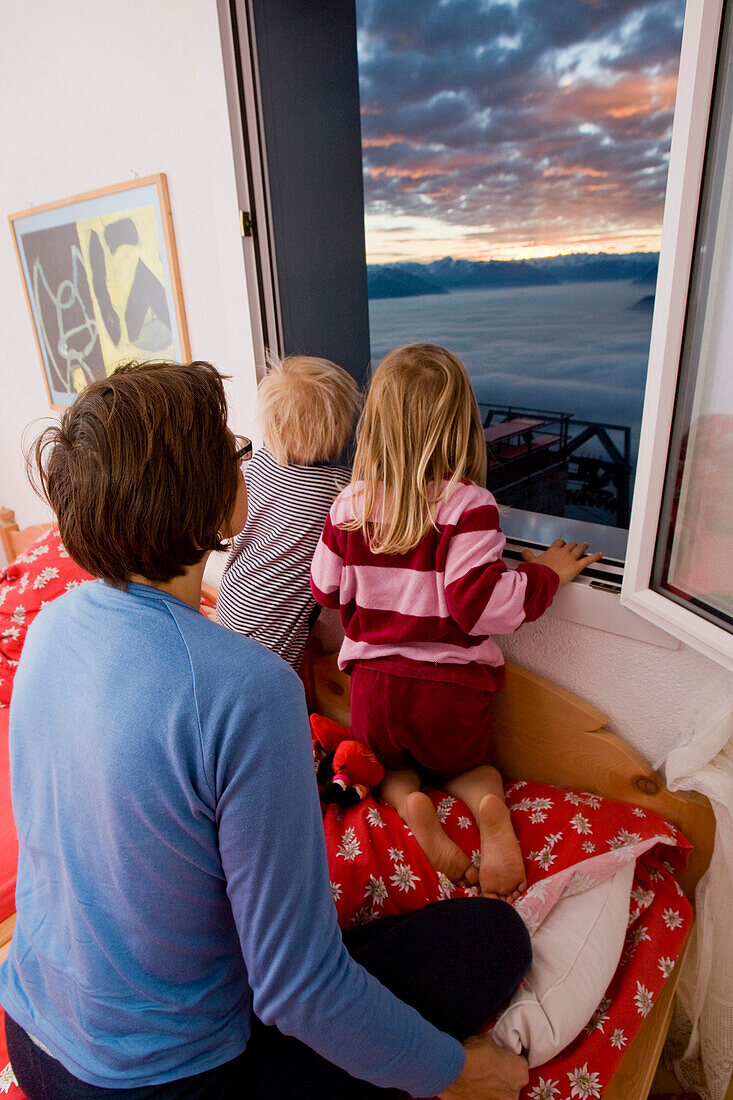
[307, 408]
[411, 555]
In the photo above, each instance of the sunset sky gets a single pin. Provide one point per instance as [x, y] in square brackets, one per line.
[504, 129]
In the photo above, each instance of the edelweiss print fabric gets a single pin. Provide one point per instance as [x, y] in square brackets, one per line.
[8, 1084]
[570, 841]
[43, 572]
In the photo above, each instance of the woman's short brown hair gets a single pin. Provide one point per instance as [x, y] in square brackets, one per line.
[141, 471]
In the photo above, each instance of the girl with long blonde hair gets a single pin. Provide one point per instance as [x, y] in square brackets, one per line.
[411, 556]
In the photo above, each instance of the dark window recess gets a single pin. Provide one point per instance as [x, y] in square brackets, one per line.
[309, 100]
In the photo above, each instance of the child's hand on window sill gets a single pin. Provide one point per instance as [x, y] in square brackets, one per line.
[567, 559]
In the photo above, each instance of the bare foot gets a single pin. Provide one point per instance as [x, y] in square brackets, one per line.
[502, 873]
[444, 855]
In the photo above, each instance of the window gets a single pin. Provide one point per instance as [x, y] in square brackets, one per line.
[300, 98]
[515, 162]
[293, 94]
[680, 571]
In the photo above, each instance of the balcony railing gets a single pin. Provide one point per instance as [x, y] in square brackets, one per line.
[546, 461]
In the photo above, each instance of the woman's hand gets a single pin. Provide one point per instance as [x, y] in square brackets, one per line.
[490, 1073]
[567, 559]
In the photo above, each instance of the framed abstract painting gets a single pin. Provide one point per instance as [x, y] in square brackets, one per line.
[101, 278]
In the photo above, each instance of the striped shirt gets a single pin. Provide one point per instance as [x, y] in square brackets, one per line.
[440, 603]
[264, 591]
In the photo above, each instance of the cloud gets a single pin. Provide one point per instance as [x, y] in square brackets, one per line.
[527, 117]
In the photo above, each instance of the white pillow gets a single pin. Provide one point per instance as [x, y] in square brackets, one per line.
[575, 952]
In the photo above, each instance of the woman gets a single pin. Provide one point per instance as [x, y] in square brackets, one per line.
[172, 873]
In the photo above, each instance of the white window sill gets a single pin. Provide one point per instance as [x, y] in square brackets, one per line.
[594, 598]
[579, 603]
[540, 529]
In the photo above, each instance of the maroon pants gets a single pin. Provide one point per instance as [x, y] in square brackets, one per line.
[441, 728]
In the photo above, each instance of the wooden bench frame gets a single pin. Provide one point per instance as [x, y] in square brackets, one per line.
[14, 541]
[544, 732]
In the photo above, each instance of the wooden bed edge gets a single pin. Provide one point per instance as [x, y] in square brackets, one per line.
[546, 733]
[14, 540]
[6, 934]
[535, 740]
[7, 526]
[210, 593]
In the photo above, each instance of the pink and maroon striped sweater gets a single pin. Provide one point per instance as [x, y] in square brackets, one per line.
[438, 605]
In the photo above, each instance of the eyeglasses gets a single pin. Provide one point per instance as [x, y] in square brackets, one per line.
[244, 451]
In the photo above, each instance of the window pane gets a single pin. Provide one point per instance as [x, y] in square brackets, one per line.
[515, 160]
[694, 561]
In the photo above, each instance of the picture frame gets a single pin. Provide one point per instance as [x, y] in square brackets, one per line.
[101, 279]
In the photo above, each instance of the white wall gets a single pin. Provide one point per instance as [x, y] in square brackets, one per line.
[646, 690]
[93, 92]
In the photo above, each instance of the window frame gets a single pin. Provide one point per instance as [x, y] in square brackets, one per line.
[301, 168]
[256, 34]
[605, 610]
[249, 155]
[698, 58]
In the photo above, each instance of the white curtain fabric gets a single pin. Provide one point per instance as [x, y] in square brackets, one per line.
[704, 763]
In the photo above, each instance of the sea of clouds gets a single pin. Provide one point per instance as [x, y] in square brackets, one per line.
[580, 348]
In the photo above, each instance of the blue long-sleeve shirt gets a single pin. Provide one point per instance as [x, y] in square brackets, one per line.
[172, 870]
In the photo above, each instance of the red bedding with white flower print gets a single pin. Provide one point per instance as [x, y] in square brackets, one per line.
[41, 573]
[569, 840]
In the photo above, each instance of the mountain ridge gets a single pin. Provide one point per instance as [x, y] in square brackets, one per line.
[411, 278]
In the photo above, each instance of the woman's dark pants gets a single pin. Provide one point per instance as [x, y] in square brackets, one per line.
[456, 962]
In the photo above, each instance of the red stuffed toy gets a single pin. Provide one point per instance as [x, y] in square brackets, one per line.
[347, 770]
